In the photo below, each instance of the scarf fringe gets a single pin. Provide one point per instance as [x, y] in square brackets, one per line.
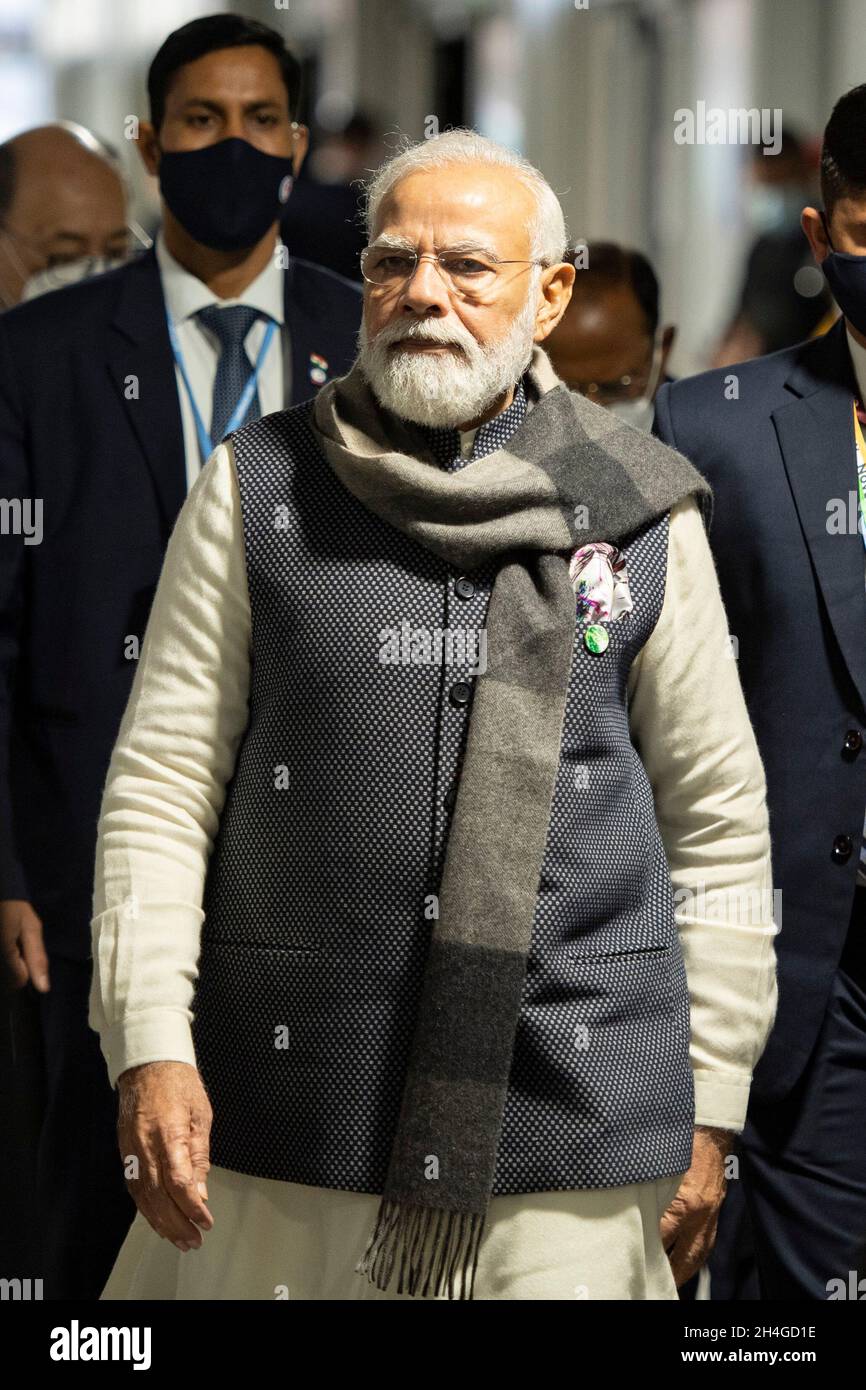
[431, 1260]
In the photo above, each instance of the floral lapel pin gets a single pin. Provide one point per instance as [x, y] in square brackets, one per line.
[600, 579]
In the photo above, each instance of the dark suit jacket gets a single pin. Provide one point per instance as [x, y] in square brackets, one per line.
[90, 423]
[795, 594]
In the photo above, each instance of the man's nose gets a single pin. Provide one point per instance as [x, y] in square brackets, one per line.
[426, 292]
[234, 126]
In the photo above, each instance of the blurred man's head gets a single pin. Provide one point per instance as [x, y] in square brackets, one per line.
[223, 137]
[778, 186]
[444, 340]
[837, 232]
[61, 200]
[608, 344]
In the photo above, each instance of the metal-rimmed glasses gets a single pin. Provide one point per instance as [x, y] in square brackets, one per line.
[467, 269]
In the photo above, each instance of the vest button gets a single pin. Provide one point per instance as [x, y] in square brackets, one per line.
[450, 797]
[460, 693]
[853, 742]
[842, 848]
[464, 587]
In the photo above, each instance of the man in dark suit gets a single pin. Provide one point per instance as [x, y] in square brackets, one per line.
[779, 439]
[112, 395]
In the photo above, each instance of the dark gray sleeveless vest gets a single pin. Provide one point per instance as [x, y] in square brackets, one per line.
[335, 823]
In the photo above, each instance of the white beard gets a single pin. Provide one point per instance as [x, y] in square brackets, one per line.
[447, 389]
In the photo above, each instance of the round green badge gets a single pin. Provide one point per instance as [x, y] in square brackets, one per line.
[596, 638]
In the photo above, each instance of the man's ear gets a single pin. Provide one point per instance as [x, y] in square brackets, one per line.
[555, 287]
[148, 147]
[669, 334]
[813, 225]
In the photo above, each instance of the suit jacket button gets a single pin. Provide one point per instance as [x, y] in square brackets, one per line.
[464, 587]
[842, 848]
[460, 693]
[853, 742]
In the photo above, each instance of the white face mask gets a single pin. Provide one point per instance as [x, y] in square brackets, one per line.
[640, 410]
[69, 273]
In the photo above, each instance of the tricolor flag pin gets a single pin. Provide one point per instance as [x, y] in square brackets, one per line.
[318, 369]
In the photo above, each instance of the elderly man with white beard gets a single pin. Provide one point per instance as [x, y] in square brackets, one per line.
[416, 979]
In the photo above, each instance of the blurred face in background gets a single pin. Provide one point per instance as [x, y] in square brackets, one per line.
[445, 353]
[776, 191]
[604, 347]
[68, 205]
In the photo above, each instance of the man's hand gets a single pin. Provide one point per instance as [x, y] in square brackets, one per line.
[22, 945]
[164, 1125]
[688, 1227]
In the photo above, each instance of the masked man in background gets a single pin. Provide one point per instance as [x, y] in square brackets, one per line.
[112, 395]
[780, 439]
[610, 343]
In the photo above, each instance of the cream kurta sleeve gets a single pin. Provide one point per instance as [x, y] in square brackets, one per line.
[689, 722]
[174, 754]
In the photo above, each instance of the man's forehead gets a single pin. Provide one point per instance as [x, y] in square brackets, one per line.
[458, 203]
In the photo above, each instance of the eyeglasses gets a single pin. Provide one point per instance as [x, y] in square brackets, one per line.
[467, 271]
[56, 271]
[623, 388]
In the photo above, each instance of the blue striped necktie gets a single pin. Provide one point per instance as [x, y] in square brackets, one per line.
[231, 326]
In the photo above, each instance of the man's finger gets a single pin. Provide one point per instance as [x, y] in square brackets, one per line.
[148, 1189]
[166, 1218]
[179, 1180]
[16, 970]
[671, 1222]
[35, 957]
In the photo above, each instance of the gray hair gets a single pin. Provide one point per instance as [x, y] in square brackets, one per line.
[547, 231]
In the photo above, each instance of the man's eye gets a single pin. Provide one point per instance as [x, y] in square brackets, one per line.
[201, 119]
[465, 265]
[394, 265]
[265, 119]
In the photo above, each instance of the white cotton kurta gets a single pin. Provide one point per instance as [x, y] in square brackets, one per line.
[174, 755]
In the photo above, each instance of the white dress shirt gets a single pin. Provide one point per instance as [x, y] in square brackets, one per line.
[185, 295]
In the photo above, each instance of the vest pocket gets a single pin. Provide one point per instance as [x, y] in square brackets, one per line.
[617, 954]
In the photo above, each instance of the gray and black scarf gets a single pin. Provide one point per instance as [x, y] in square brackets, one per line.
[517, 508]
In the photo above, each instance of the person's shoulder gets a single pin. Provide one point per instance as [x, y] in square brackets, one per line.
[74, 311]
[722, 384]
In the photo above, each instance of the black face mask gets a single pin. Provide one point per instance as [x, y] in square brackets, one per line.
[846, 276]
[225, 195]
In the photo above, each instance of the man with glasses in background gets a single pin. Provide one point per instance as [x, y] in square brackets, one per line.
[62, 210]
[610, 345]
[413, 760]
[113, 393]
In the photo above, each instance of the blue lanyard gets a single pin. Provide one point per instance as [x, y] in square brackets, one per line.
[860, 450]
[205, 443]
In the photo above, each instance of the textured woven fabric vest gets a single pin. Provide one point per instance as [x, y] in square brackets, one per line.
[321, 888]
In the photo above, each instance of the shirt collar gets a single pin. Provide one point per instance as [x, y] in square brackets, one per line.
[185, 294]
